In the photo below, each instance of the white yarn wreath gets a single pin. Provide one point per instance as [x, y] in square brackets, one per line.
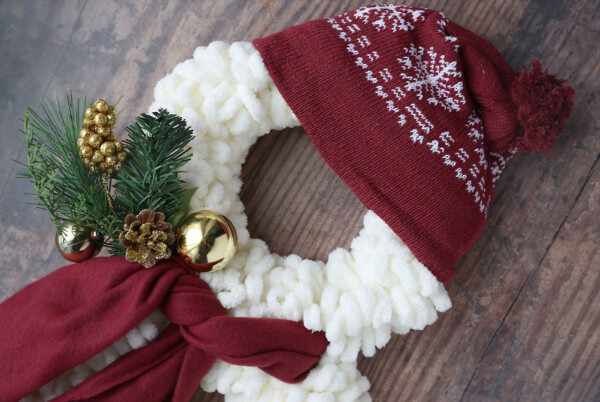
[358, 297]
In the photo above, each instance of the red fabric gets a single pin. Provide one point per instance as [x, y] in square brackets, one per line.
[412, 111]
[543, 106]
[526, 110]
[79, 310]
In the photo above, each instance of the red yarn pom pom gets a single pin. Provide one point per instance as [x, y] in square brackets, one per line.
[543, 106]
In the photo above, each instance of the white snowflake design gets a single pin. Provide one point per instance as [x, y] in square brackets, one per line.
[442, 22]
[429, 74]
[385, 13]
[475, 127]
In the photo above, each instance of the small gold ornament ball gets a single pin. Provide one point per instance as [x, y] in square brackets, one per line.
[206, 241]
[111, 160]
[100, 105]
[100, 119]
[86, 152]
[87, 122]
[111, 119]
[103, 131]
[97, 157]
[108, 148]
[77, 244]
[94, 141]
[89, 112]
[85, 133]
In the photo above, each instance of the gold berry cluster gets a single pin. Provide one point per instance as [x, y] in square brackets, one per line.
[97, 143]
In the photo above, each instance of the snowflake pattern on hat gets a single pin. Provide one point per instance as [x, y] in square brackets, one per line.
[423, 74]
[430, 74]
[397, 15]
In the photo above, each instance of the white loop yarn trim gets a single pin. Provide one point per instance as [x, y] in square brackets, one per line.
[358, 297]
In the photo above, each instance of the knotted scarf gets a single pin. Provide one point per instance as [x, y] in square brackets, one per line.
[74, 313]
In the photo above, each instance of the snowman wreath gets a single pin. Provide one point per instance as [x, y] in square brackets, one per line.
[395, 100]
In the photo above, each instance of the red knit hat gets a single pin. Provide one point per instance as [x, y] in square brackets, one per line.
[418, 115]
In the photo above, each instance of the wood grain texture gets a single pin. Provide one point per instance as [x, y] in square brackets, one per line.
[526, 315]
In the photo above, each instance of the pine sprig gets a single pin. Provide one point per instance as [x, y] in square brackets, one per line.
[157, 148]
[64, 186]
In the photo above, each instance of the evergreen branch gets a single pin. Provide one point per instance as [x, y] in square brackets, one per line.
[157, 148]
[64, 186]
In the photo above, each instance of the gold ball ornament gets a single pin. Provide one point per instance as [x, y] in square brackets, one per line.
[103, 131]
[206, 241]
[94, 141]
[90, 112]
[111, 119]
[87, 122]
[100, 119]
[97, 157]
[108, 148]
[86, 152]
[77, 244]
[100, 105]
[111, 160]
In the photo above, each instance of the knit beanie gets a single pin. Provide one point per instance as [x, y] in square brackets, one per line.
[418, 115]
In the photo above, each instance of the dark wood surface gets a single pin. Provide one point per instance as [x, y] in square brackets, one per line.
[526, 315]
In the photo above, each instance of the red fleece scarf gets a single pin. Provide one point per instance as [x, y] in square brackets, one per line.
[79, 310]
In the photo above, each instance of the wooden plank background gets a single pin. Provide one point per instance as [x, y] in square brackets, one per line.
[526, 315]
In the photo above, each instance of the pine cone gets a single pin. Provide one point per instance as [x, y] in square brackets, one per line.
[147, 237]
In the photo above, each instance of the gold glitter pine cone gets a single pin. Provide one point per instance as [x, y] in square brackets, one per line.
[97, 143]
[147, 237]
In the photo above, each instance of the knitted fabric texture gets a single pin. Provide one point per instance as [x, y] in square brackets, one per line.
[415, 114]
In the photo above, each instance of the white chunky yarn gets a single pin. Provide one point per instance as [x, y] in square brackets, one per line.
[358, 297]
